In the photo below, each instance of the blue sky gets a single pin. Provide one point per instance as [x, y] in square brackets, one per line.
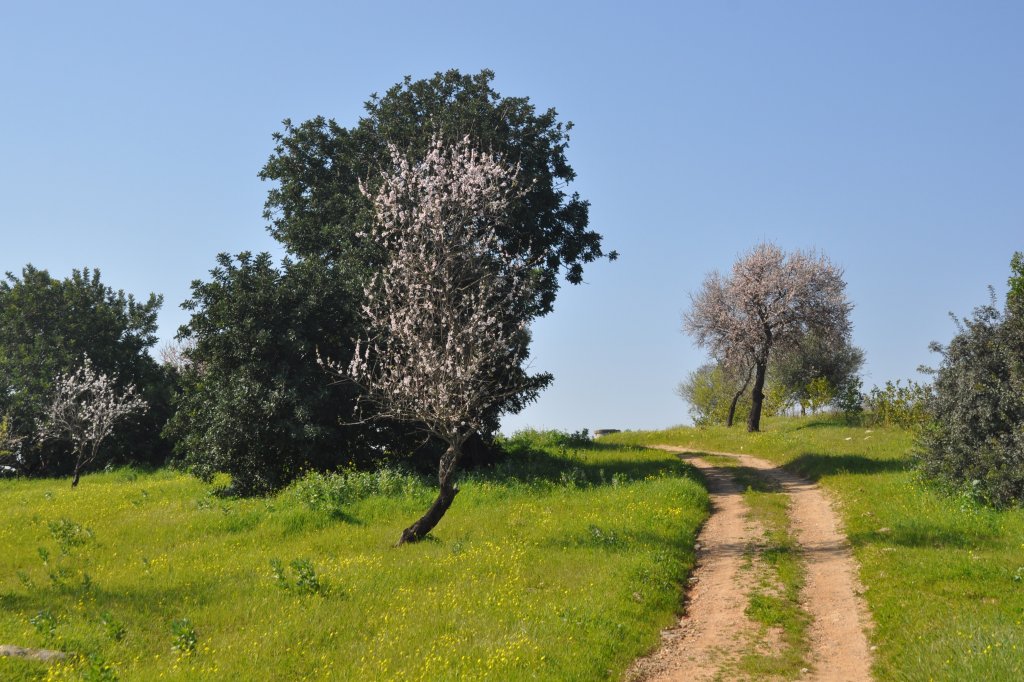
[887, 134]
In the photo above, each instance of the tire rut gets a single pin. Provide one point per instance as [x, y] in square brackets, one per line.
[709, 636]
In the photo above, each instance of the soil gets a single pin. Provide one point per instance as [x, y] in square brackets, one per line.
[709, 636]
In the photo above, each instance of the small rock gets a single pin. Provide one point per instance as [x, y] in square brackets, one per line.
[884, 530]
[874, 648]
[804, 671]
[45, 655]
[637, 597]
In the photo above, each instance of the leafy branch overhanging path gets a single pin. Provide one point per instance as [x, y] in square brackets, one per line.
[707, 641]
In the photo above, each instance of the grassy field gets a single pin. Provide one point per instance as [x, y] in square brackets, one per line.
[945, 576]
[563, 566]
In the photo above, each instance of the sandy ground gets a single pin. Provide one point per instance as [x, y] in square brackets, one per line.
[713, 626]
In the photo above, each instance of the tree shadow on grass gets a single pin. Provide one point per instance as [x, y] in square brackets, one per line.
[538, 466]
[815, 465]
[925, 535]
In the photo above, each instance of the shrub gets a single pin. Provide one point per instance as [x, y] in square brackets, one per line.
[976, 438]
[331, 492]
[532, 439]
[897, 404]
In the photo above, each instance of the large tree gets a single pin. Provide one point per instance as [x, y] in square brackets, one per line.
[448, 330]
[47, 326]
[316, 210]
[769, 302]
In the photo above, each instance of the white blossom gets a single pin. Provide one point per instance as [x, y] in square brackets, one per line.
[86, 407]
[448, 314]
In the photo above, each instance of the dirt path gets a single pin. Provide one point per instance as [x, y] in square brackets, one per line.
[704, 644]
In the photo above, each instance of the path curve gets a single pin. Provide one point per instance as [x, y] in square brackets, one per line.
[713, 620]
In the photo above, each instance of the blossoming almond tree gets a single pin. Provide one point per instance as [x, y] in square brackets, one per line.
[448, 314]
[771, 300]
[86, 407]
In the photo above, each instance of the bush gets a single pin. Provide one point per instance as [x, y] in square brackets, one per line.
[898, 405]
[532, 439]
[331, 492]
[976, 438]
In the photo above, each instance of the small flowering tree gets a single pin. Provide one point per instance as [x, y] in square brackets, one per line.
[85, 409]
[448, 315]
[772, 300]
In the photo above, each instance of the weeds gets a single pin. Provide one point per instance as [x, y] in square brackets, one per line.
[185, 640]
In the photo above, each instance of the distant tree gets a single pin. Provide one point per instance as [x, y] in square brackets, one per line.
[815, 372]
[976, 434]
[448, 314]
[770, 301]
[713, 392]
[85, 408]
[46, 326]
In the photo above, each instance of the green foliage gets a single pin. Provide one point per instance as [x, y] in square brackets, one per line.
[1015, 295]
[976, 439]
[850, 401]
[45, 623]
[46, 327]
[69, 534]
[820, 392]
[527, 439]
[815, 372]
[114, 628]
[316, 209]
[897, 404]
[709, 391]
[332, 492]
[8, 441]
[185, 639]
[254, 403]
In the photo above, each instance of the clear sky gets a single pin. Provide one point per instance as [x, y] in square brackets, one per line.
[889, 135]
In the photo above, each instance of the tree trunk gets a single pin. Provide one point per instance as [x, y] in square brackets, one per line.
[445, 497]
[757, 399]
[736, 399]
[74, 480]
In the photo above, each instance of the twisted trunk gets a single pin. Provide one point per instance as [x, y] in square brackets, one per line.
[445, 497]
[757, 398]
[736, 398]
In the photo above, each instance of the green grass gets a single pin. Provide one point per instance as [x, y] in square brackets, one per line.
[945, 577]
[563, 566]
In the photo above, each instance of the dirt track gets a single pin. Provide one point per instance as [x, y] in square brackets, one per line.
[706, 641]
